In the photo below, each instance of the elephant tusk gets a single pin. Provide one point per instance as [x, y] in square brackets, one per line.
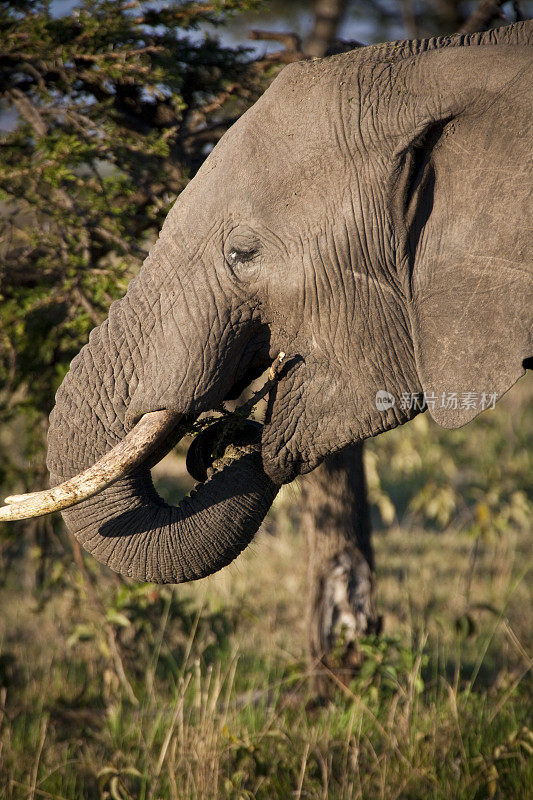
[128, 454]
[141, 441]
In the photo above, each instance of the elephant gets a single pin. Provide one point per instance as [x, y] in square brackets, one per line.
[368, 217]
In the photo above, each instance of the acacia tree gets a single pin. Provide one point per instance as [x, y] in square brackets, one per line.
[109, 111]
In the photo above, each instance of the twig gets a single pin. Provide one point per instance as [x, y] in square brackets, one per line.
[302, 771]
[27, 110]
[120, 54]
[40, 792]
[244, 410]
[279, 57]
[210, 133]
[291, 41]
[295, 51]
[232, 422]
[91, 312]
[273, 378]
[35, 771]
[119, 666]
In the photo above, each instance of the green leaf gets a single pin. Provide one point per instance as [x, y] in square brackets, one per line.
[81, 633]
[116, 618]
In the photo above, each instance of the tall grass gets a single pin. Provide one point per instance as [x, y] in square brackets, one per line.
[114, 690]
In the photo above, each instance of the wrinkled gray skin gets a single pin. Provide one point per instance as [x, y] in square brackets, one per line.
[369, 214]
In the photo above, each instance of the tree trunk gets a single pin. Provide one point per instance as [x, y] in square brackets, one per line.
[335, 515]
[341, 585]
[327, 18]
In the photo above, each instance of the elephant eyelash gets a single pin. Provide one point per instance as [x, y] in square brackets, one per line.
[236, 256]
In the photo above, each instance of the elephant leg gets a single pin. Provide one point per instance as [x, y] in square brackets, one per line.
[341, 604]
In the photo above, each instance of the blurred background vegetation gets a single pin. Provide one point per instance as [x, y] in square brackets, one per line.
[112, 689]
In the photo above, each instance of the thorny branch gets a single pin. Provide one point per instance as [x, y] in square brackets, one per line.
[229, 422]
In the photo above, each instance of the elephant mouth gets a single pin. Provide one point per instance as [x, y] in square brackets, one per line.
[236, 430]
[211, 444]
[148, 441]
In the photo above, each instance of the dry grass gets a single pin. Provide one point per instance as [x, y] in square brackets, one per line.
[202, 691]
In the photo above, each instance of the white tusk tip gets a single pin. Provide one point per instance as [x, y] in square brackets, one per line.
[19, 498]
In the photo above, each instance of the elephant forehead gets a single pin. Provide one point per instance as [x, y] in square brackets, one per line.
[291, 121]
[285, 150]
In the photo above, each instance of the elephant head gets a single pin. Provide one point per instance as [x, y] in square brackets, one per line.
[367, 216]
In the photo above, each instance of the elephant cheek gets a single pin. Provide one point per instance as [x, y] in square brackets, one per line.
[281, 469]
[282, 461]
[306, 421]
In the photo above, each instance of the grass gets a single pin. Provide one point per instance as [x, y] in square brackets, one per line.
[114, 690]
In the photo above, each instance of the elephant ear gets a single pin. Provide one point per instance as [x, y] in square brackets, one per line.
[463, 216]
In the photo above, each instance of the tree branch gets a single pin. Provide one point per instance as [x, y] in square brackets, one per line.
[291, 41]
[483, 16]
[28, 111]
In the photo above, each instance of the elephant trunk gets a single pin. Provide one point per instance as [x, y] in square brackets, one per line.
[127, 525]
[132, 530]
[129, 528]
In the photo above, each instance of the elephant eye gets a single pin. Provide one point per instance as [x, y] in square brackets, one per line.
[237, 258]
[243, 256]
